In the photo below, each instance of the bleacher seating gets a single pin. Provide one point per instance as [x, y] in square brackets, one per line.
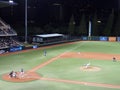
[6, 42]
[5, 29]
[6, 36]
[2, 32]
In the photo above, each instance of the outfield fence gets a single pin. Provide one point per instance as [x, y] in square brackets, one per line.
[66, 40]
[100, 38]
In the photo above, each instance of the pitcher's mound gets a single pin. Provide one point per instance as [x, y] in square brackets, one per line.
[28, 76]
[90, 68]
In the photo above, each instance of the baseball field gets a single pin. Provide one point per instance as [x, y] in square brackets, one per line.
[84, 65]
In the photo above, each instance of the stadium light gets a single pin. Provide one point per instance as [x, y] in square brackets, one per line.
[11, 1]
[99, 21]
[7, 3]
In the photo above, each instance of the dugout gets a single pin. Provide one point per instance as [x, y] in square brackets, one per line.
[47, 38]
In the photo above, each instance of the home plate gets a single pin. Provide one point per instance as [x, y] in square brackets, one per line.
[78, 52]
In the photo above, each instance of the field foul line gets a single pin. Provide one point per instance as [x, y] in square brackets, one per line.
[45, 63]
[82, 83]
[51, 60]
[70, 81]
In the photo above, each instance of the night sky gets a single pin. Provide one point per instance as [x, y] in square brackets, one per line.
[43, 12]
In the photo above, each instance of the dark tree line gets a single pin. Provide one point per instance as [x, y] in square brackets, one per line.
[69, 17]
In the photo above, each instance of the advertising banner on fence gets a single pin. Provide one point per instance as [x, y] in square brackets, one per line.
[35, 46]
[84, 38]
[16, 48]
[112, 39]
[118, 39]
[103, 38]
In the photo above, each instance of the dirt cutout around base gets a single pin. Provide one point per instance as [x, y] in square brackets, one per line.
[90, 68]
[91, 55]
[28, 76]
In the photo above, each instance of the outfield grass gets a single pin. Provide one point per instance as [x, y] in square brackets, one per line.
[68, 69]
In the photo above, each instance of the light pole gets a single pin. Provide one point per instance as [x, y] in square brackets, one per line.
[11, 11]
[90, 28]
[60, 10]
[26, 21]
[89, 33]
